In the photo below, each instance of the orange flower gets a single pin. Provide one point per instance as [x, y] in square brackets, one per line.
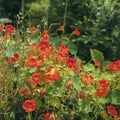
[43, 45]
[83, 94]
[33, 30]
[117, 118]
[69, 85]
[24, 91]
[61, 28]
[32, 62]
[51, 75]
[76, 32]
[114, 66]
[81, 68]
[29, 105]
[35, 79]
[101, 92]
[87, 79]
[45, 32]
[97, 63]
[103, 84]
[6, 36]
[45, 35]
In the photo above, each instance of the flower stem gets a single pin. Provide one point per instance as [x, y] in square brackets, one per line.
[28, 117]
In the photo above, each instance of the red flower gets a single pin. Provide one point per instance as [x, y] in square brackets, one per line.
[9, 29]
[117, 117]
[63, 50]
[45, 32]
[62, 53]
[35, 79]
[103, 84]
[71, 62]
[61, 28]
[88, 79]
[112, 110]
[13, 59]
[76, 32]
[97, 63]
[16, 56]
[51, 75]
[42, 93]
[33, 30]
[47, 116]
[81, 68]
[29, 105]
[101, 92]
[32, 62]
[43, 45]
[25, 91]
[45, 35]
[83, 94]
[1, 28]
[6, 36]
[114, 66]
[69, 85]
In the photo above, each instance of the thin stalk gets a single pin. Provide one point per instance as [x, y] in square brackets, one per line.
[29, 116]
[64, 20]
[22, 9]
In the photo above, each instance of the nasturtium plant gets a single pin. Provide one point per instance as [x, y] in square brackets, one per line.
[42, 82]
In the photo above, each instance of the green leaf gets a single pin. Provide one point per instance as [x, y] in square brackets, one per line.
[76, 83]
[9, 51]
[38, 103]
[32, 70]
[114, 97]
[86, 106]
[53, 101]
[97, 55]
[103, 100]
[72, 48]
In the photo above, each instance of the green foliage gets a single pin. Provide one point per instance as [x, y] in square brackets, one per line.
[97, 55]
[97, 20]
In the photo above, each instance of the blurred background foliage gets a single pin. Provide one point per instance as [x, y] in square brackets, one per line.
[98, 21]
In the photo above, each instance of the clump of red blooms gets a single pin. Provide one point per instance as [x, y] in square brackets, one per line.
[103, 89]
[43, 55]
[13, 59]
[39, 56]
[114, 66]
[7, 30]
